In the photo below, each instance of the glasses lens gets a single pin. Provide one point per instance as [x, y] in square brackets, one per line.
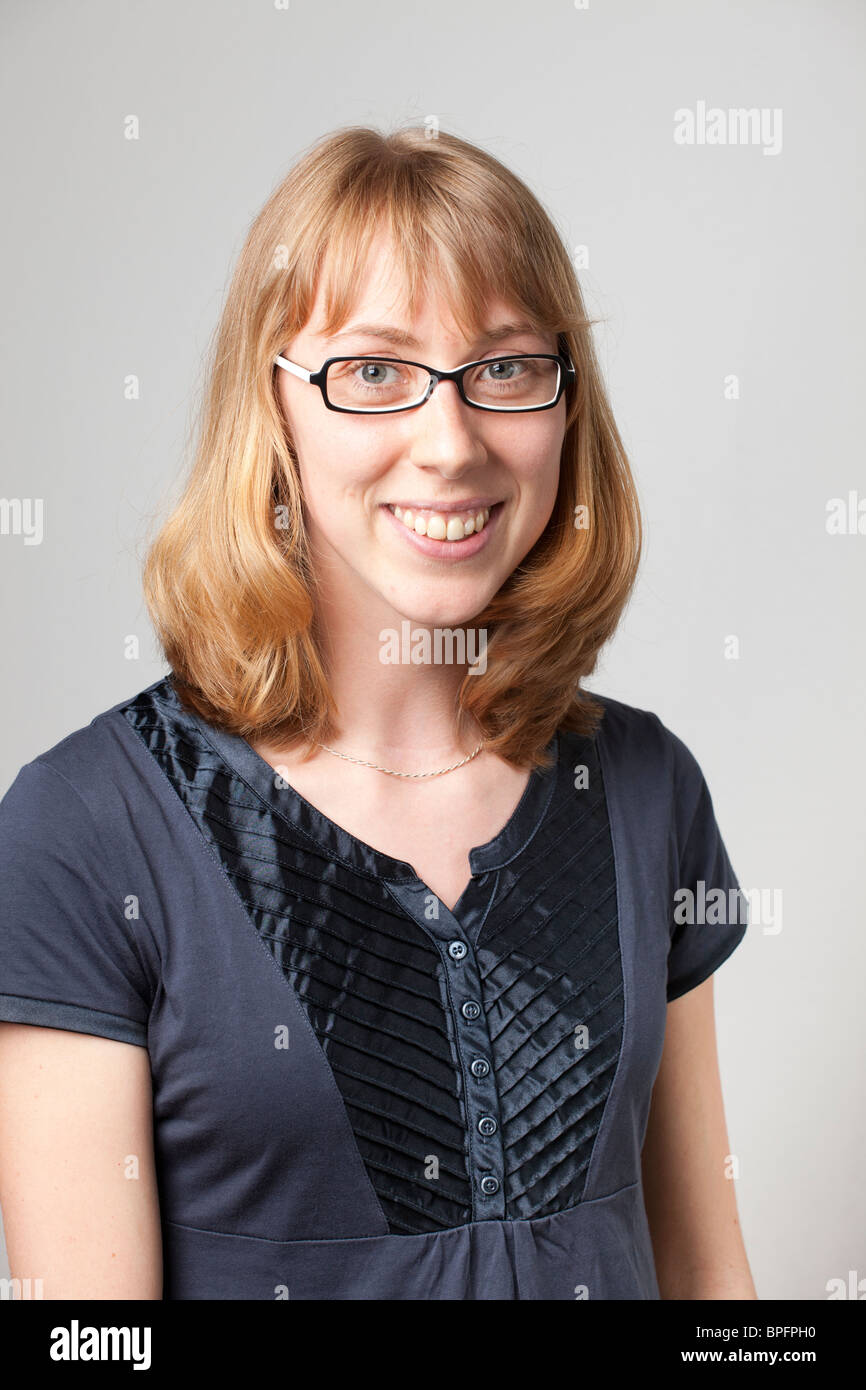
[513, 383]
[375, 383]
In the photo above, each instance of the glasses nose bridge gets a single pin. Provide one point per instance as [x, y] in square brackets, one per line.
[434, 377]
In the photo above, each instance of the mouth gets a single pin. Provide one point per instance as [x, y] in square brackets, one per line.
[445, 535]
[443, 526]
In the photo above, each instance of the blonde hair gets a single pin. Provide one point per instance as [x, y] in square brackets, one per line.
[230, 593]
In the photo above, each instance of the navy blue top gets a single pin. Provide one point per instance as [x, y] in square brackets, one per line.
[358, 1093]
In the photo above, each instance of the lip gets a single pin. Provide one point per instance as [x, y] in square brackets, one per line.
[446, 550]
[470, 504]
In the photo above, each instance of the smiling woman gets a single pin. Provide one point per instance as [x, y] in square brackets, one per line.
[398, 936]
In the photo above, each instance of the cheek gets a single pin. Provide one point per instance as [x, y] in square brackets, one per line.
[330, 458]
[321, 439]
[535, 466]
[341, 471]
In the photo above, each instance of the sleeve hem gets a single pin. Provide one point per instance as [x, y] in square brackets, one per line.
[706, 968]
[16, 1008]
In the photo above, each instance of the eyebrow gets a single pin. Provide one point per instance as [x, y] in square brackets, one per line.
[401, 338]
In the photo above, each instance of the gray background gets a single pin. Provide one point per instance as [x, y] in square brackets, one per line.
[704, 261]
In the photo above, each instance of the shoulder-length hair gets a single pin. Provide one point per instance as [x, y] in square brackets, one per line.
[230, 590]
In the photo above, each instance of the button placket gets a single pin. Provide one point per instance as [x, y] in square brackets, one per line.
[486, 1157]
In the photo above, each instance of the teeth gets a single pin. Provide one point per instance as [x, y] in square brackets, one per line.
[442, 526]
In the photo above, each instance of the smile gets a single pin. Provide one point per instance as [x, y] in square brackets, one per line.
[445, 535]
[441, 526]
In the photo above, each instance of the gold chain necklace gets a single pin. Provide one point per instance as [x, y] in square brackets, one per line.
[392, 773]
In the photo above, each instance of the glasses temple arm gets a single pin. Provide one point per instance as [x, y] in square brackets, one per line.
[293, 368]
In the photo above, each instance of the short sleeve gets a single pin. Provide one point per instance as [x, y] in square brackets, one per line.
[68, 957]
[710, 913]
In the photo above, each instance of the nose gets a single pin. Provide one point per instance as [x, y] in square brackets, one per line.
[444, 433]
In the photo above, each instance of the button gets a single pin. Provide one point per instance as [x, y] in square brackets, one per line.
[471, 1010]
[456, 949]
[489, 1185]
[480, 1066]
[487, 1125]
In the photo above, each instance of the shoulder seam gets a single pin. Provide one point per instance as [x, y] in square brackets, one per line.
[49, 767]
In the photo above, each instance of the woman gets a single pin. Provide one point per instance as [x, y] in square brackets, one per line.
[375, 914]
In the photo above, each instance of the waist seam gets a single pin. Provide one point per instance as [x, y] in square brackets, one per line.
[422, 1235]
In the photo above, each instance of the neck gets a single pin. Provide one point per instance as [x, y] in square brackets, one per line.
[391, 709]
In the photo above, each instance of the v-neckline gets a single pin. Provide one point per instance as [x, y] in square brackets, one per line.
[339, 843]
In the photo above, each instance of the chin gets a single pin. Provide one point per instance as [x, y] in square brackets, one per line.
[448, 603]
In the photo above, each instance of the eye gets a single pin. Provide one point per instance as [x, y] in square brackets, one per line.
[369, 372]
[373, 373]
[504, 370]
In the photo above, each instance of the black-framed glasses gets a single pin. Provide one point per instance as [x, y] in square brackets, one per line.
[369, 385]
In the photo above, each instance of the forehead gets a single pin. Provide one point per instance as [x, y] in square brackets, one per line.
[381, 293]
